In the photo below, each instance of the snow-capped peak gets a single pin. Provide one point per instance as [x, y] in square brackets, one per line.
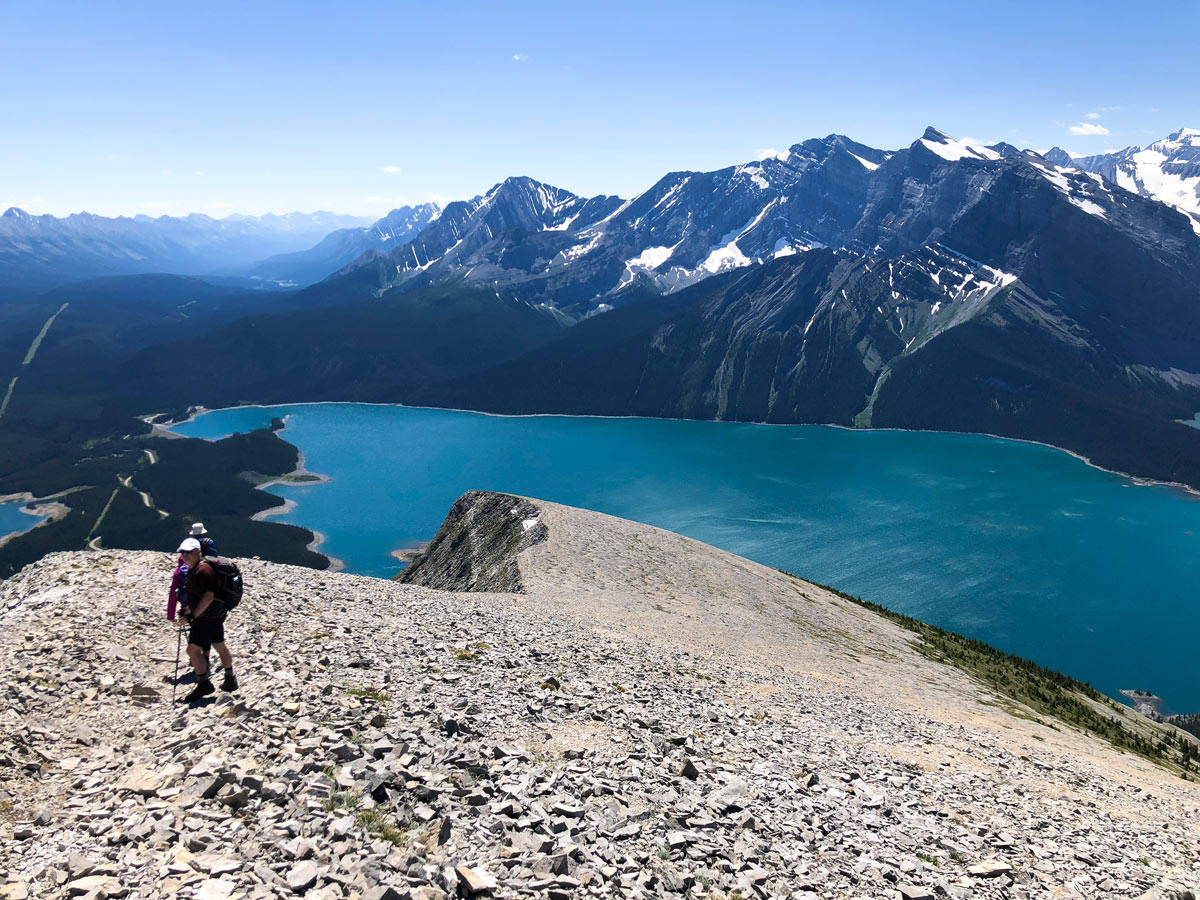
[952, 149]
[1167, 170]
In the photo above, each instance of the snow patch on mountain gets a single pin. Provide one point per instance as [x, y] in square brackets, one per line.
[671, 196]
[651, 257]
[755, 174]
[1075, 185]
[951, 149]
[866, 163]
[646, 261]
[564, 225]
[1089, 206]
[1152, 175]
[579, 250]
[783, 247]
[1166, 170]
[722, 259]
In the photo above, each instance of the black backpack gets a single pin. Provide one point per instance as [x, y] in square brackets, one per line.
[229, 581]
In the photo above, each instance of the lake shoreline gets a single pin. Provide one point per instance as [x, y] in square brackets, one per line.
[1138, 480]
[309, 477]
[47, 507]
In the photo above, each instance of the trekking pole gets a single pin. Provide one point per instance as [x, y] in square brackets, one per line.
[175, 681]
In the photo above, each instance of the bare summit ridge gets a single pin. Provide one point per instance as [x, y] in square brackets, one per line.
[476, 548]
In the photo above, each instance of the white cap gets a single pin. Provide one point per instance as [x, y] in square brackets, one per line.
[198, 529]
[188, 545]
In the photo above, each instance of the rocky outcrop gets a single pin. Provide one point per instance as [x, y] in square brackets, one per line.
[652, 718]
[476, 548]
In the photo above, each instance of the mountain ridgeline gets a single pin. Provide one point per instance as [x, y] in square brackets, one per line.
[38, 252]
[943, 286]
[1167, 170]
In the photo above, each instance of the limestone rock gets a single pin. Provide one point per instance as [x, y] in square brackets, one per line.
[651, 719]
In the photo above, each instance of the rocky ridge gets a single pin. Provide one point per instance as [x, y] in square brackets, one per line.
[650, 718]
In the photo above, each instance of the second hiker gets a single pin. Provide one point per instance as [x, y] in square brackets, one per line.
[207, 618]
[208, 547]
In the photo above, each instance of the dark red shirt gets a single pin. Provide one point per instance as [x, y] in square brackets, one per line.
[203, 580]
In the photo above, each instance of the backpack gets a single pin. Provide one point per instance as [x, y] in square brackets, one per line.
[229, 581]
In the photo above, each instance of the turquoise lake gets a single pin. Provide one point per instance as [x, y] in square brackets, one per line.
[1022, 546]
[12, 519]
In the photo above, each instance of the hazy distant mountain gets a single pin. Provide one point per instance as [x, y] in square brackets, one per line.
[1167, 170]
[39, 252]
[339, 248]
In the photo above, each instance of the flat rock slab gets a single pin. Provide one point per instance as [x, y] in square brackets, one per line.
[101, 885]
[989, 868]
[215, 889]
[475, 881]
[142, 781]
[217, 864]
[302, 876]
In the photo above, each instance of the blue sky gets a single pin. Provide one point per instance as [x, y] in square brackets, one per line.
[138, 107]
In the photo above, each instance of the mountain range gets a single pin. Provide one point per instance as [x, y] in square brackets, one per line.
[339, 248]
[1167, 170]
[43, 251]
[944, 285]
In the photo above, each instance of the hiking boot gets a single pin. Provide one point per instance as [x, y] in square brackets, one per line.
[203, 688]
[229, 683]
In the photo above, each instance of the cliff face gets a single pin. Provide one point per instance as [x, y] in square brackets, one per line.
[650, 718]
[477, 546]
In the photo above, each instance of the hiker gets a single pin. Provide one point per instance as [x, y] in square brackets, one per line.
[208, 547]
[177, 594]
[206, 615]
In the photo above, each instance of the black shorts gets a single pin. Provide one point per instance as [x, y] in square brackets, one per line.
[206, 632]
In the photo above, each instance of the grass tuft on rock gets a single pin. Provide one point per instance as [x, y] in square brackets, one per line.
[376, 823]
[368, 694]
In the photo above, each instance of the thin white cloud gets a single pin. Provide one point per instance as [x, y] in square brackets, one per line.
[770, 153]
[221, 204]
[201, 172]
[1155, 109]
[1087, 128]
[391, 170]
[398, 201]
[520, 57]
[1093, 116]
[439, 199]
